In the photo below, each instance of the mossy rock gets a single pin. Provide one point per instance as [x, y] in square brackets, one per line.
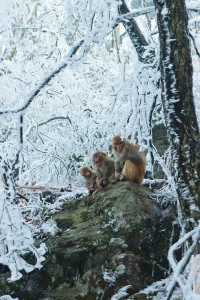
[121, 232]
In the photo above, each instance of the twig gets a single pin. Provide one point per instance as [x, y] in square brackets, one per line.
[21, 196]
[194, 44]
[136, 13]
[53, 119]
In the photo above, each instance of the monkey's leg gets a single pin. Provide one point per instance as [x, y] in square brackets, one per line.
[99, 185]
[130, 171]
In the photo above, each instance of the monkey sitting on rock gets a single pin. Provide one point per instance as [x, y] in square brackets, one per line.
[130, 163]
[90, 179]
[105, 169]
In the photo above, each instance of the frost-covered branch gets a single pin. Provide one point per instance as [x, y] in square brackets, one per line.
[15, 236]
[54, 119]
[194, 44]
[178, 268]
[146, 54]
[136, 13]
[193, 5]
[45, 82]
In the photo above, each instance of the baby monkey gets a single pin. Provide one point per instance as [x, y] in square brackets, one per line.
[90, 179]
[130, 163]
[105, 169]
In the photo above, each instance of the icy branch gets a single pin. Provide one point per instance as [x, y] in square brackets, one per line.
[178, 268]
[72, 52]
[136, 13]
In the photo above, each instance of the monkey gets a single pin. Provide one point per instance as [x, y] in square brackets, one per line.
[130, 163]
[105, 169]
[90, 179]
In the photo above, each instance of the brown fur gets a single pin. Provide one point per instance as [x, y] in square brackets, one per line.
[90, 179]
[134, 172]
[130, 164]
[105, 168]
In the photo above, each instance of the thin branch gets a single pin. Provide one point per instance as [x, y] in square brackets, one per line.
[194, 44]
[146, 54]
[45, 82]
[180, 267]
[53, 119]
[136, 13]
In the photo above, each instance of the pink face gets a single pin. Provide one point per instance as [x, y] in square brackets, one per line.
[87, 174]
[98, 161]
[118, 147]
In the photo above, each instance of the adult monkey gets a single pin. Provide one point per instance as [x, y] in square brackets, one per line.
[130, 163]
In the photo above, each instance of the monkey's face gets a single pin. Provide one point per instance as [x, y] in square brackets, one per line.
[87, 174]
[98, 161]
[118, 147]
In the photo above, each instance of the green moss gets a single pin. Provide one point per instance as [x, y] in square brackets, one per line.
[120, 222]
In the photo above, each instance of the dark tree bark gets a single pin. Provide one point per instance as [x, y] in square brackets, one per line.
[145, 53]
[177, 99]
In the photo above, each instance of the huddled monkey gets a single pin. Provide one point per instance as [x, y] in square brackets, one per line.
[90, 179]
[130, 163]
[105, 169]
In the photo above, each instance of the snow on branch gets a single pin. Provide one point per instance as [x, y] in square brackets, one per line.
[72, 52]
[193, 5]
[16, 238]
[136, 13]
[178, 268]
[194, 44]
[7, 297]
[54, 119]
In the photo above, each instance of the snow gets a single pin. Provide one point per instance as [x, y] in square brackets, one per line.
[7, 297]
[103, 91]
[121, 293]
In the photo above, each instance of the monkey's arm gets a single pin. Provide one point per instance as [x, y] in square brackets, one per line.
[118, 168]
[135, 159]
[111, 171]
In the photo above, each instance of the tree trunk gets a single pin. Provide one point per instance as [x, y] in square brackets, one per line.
[177, 99]
[145, 53]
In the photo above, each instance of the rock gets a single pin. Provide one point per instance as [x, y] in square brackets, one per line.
[121, 238]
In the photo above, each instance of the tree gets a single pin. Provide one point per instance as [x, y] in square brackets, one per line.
[177, 99]
[146, 54]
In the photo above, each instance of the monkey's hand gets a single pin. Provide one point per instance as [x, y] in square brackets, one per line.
[103, 182]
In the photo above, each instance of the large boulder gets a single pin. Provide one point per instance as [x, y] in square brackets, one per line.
[118, 239]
